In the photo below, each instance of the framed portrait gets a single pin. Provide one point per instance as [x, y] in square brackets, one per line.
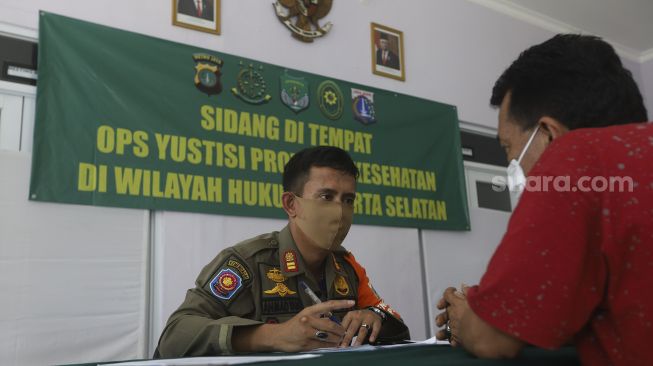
[201, 15]
[388, 52]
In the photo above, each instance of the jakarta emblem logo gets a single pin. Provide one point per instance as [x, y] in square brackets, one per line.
[294, 92]
[225, 284]
[250, 85]
[208, 69]
[362, 103]
[306, 27]
[330, 99]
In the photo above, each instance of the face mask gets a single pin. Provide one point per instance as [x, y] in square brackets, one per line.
[326, 223]
[516, 176]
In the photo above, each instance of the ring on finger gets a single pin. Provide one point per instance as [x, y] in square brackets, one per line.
[366, 326]
[321, 335]
[447, 331]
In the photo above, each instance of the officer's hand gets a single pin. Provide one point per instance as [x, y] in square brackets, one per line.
[309, 330]
[359, 323]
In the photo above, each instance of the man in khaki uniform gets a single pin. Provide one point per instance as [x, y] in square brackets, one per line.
[252, 297]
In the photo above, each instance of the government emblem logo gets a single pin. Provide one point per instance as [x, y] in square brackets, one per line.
[294, 92]
[280, 289]
[331, 100]
[225, 284]
[362, 103]
[250, 85]
[307, 13]
[208, 69]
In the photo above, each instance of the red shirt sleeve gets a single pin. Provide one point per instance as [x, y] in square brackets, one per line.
[547, 275]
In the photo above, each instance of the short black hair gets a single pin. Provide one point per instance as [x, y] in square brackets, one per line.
[577, 79]
[296, 171]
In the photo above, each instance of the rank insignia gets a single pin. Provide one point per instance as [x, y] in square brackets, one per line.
[341, 285]
[208, 69]
[362, 103]
[290, 261]
[294, 92]
[308, 12]
[250, 85]
[225, 284]
[280, 289]
[331, 100]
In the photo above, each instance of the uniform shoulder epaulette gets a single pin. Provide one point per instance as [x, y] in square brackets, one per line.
[249, 247]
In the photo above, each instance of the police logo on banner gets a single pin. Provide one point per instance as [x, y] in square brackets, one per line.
[362, 103]
[208, 69]
[294, 92]
[225, 284]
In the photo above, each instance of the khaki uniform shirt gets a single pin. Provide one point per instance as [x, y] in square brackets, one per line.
[256, 282]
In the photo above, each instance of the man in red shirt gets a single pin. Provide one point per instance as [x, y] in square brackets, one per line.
[576, 262]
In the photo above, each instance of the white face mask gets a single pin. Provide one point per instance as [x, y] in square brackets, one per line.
[516, 176]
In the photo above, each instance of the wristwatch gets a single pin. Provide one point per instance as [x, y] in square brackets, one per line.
[378, 312]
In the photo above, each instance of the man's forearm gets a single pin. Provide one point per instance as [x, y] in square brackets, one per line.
[485, 341]
[253, 338]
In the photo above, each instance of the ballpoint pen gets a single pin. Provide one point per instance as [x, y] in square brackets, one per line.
[316, 300]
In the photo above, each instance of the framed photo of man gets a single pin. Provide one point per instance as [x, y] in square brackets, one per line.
[388, 52]
[201, 15]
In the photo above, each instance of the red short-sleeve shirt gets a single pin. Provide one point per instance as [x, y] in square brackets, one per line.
[576, 262]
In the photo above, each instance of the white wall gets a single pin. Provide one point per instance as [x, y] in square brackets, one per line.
[454, 52]
[71, 277]
[646, 77]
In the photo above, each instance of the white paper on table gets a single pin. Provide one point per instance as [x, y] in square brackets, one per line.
[367, 347]
[213, 361]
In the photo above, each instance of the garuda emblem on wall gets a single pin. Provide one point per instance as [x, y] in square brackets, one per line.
[307, 13]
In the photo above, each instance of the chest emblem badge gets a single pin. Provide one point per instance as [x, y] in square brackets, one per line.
[280, 288]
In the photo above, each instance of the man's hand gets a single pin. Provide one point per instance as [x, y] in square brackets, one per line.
[354, 323]
[472, 332]
[305, 331]
[455, 305]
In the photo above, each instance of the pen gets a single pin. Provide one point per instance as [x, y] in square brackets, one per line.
[316, 300]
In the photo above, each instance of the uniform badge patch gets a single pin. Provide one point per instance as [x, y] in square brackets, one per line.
[294, 92]
[280, 288]
[239, 266]
[225, 284]
[341, 285]
[207, 73]
[331, 100]
[290, 261]
[363, 106]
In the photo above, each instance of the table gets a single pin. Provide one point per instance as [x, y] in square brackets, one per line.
[432, 355]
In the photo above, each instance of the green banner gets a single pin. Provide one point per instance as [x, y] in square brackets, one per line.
[128, 120]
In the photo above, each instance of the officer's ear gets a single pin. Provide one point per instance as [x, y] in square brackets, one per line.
[289, 202]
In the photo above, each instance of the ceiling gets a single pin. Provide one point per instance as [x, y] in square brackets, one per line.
[626, 24]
